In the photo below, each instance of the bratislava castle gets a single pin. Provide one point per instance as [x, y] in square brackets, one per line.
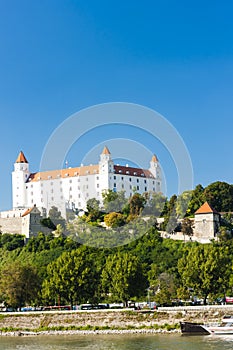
[72, 187]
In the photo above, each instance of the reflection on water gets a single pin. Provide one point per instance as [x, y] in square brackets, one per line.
[119, 342]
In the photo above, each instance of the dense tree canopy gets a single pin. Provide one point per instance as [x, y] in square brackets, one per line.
[127, 259]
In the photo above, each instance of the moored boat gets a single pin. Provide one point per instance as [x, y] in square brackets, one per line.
[223, 328]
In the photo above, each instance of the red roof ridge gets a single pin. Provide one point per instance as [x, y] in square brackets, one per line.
[205, 209]
[21, 158]
[154, 158]
[106, 150]
[28, 211]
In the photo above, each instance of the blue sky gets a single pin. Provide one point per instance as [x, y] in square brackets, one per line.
[60, 56]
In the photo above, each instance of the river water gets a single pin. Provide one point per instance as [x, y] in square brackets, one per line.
[119, 342]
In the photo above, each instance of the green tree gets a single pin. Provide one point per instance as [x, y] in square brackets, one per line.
[114, 219]
[182, 204]
[206, 269]
[19, 284]
[114, 201]
[197, 199]
[71, 277]
[155, 204]
[187, 227]
[123, 276]
[94, 214]
[54, 213]
[220, 196]
[166, 289]
[136, 204]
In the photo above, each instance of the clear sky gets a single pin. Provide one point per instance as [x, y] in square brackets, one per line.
[60, 56]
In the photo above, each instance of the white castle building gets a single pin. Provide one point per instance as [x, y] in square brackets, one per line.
[72, 187]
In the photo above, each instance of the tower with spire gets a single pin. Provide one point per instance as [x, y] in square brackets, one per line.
[106, 167]
[156, 171]
[19, 178]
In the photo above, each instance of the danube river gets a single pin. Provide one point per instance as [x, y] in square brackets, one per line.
[119, 342]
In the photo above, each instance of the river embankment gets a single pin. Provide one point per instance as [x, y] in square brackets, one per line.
[163, 320]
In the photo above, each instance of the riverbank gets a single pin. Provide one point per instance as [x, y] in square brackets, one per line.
[103, 322]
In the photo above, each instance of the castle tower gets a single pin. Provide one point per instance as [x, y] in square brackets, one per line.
[156, 171]
[19, 177]
[106, 167]
[207, 222]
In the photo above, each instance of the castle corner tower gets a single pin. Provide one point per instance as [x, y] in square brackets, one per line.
[19, 178]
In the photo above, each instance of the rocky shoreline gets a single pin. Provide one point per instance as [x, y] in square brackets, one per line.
[103, 322]
[91, 332]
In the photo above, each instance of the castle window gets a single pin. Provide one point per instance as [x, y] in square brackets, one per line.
[158, 183]
[135, 173]
[52, 198]
[145, 181]
[41, 200]
[97, 185]
[41, 192]
[145, 188]
[78, 187]
[122, 186]
[86, 178]
[138, 188]
[31, 186]
[70, 188]
[130, 179]
[51, 191]
[137, 180]
[51, 183]
[153, 182]
[97, 177]
[122, 178]
[31, 193]
[70, 181]
[61, 197]
[114, 177]
[79, 195]
[114, 185]
[154, 189]
[130, 187]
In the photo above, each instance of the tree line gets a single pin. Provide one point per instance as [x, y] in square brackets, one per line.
[58, 269]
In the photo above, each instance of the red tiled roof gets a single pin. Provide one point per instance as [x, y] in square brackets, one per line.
[21, 158]
[64, 173]
[125, 170]
[205, 209]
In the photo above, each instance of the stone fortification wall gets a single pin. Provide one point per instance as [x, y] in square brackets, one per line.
[11, 225]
